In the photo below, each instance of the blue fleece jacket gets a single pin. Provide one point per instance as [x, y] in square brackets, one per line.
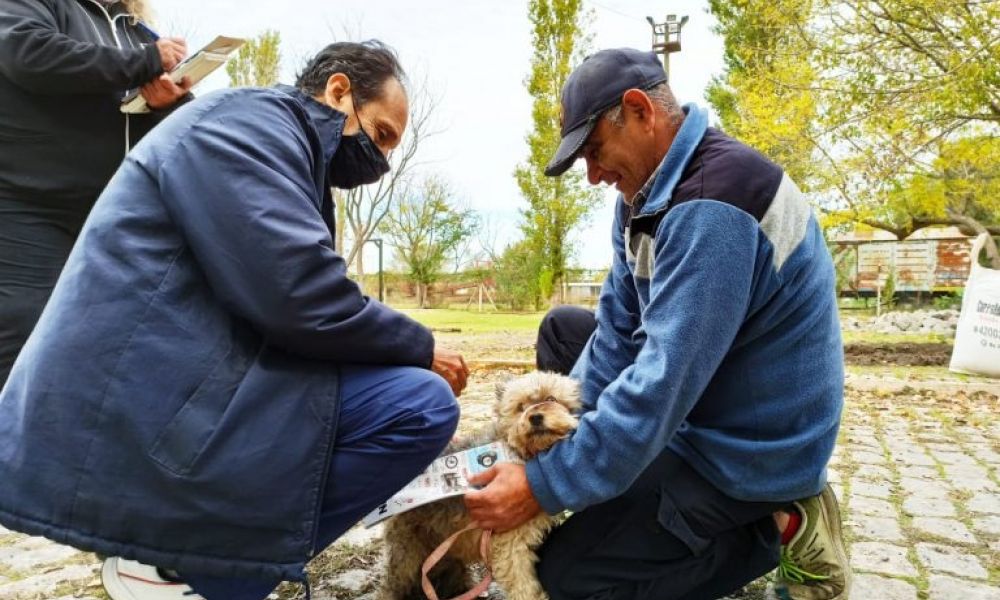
[717, 336]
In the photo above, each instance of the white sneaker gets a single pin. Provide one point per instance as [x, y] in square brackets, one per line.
[130, 580]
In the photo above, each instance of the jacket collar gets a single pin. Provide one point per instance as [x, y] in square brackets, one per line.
[112, 11]
[329, 122]
[668, 174]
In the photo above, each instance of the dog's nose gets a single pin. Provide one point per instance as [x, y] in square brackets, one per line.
[536, 419]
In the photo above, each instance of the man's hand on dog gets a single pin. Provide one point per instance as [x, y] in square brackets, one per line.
[506, 502]
[451, 366]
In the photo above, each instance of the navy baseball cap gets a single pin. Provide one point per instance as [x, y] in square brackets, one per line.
[594, 87]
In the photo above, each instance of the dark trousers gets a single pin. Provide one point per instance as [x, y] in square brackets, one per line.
[672, 535]
[561, 337]
[35, 240]
[393, 422]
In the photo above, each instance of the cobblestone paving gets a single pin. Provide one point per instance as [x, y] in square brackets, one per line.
[917, 473]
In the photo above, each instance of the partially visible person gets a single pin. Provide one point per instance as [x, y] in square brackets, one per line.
[64, 67]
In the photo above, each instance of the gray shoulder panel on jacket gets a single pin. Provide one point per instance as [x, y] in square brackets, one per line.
[786, 220]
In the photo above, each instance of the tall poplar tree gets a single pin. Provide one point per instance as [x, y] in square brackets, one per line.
[556, 205]
[257, 62]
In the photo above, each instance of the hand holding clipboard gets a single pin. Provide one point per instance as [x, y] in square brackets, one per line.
[195, 68]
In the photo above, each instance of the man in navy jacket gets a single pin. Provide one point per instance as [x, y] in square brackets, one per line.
[713, 383]
[207, 391]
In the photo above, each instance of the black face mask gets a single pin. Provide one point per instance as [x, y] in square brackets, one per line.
[356, 162]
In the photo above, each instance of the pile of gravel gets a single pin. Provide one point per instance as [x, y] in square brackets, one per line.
[917, 321]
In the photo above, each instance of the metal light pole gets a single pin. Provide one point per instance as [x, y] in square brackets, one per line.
[667, 38]
[381, 283]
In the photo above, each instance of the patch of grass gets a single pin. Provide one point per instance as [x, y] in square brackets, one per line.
[923, 373]
[871, 337]
[475, 322]
[335, 560]
[961, 498]
[980, 420]
[72, 589]
[755, 590]
[922, 580]
[947, 421]
[846, 467]
[874, 418]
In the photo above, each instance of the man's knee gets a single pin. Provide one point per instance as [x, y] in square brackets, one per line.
[403, 409]
[567, 318]
[432, 397]
[561, 336]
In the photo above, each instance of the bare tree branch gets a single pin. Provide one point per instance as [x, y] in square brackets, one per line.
[367, 206]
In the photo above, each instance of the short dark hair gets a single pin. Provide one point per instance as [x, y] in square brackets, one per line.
[367, 64]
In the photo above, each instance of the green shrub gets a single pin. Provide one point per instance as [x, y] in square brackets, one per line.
[947, 301]
[889, 290]
[518, 277]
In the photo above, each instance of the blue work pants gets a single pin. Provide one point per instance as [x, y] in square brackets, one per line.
[394, 421]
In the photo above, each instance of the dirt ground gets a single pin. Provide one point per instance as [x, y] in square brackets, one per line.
[501, 345]
[506, 346]
[900, 355]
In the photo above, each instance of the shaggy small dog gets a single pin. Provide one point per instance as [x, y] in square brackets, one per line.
[532, 413]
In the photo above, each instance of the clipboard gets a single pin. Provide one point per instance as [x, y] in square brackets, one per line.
[197, 66]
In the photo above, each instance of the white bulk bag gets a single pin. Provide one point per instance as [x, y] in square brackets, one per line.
[977, 339]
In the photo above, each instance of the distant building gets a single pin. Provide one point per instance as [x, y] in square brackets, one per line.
[583, 292]
[933, 259]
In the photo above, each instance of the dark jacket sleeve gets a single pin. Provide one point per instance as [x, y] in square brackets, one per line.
[240, 186]
[37, 57]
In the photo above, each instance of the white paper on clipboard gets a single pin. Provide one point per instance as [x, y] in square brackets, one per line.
[196, 67]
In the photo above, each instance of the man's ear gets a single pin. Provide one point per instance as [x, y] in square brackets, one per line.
[636, 103]
[338, 87]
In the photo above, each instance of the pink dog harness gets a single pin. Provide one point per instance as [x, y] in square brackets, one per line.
[440, 551]
[484, 545]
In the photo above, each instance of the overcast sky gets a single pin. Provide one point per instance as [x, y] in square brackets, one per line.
[475, 54]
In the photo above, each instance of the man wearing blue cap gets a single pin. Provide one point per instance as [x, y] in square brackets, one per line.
[713, 382]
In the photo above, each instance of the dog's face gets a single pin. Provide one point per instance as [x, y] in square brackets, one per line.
[535, 411]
